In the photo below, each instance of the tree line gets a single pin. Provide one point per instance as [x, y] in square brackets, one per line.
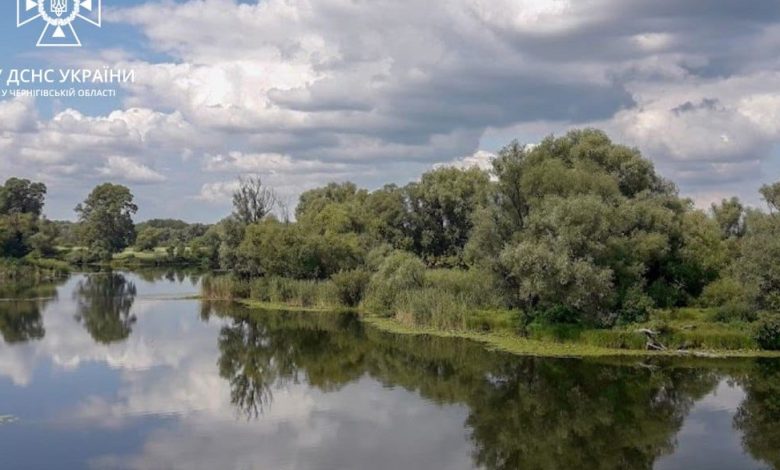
[574, 229]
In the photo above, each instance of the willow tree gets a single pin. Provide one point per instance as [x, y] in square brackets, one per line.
[582, 229]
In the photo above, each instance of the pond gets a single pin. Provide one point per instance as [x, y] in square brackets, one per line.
[127, 370]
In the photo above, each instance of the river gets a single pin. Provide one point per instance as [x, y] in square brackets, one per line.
[128, 370]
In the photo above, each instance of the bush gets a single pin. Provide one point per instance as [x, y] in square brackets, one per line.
[636, 306]
[350, 286]
[735, 310]
[558, 314]
[722, 291]
[767, 333]
[400, 272]
[81, 256]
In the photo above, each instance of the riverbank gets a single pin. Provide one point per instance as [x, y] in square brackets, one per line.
[32, 270]
[548, 341]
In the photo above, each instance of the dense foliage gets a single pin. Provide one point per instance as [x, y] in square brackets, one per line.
[574, 230]
[106, 224]
[23, 230]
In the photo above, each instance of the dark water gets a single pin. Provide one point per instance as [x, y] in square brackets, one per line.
[119, 371]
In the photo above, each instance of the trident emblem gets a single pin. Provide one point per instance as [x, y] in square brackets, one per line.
[59, 17]
[58, 7]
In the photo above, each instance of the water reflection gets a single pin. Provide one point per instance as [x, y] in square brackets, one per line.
[20, 321]
[143, 380]
[758, 416]
[104, 303]
[20, 310]
[523, 412]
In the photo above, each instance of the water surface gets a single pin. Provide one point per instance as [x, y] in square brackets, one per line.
[121, 370]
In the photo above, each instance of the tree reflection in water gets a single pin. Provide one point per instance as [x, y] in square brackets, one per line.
[104, 303]
[758, 416]
[524, 412]
[21, 321]
[20, 310]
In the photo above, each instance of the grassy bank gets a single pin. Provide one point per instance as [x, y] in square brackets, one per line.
[131, 258]
[32, 270]
[446, 305]
[512, 343]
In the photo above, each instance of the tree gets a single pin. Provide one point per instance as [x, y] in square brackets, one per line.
[272, 248]
[771, 194]
[21, 196]
[43, 242]
[757, 266]
[21, 203]
[389, 220]
[442, 207]
[106, 219]
[149, 238]
[252, 201]
[16, 234]
[315, 200]
[729, 215]
[584, 229]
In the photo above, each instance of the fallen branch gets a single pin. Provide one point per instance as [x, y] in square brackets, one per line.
[652, 340]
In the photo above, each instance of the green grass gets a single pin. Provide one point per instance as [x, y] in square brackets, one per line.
[515, 344]
[285, 307]
[159, 253]
[294, 292]
[435, 309]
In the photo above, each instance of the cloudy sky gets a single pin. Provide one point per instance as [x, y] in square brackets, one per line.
[303, 92]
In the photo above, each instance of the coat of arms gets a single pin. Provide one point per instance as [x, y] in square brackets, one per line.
[58, 16]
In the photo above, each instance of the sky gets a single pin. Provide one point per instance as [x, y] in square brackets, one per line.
[305, 92]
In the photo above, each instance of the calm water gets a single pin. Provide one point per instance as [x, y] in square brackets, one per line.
[122, 371]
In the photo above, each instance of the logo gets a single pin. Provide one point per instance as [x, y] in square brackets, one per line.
[59, 17]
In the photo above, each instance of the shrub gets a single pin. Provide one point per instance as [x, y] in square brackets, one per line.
[767, 333]
[735, 310]
[558, 314]
[721, 291]
[636, 306]
[350, 286]
[400, 272]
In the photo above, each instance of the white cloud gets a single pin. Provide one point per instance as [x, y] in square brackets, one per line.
[218, 191]
[268, 163]
[124, 168]
[332, 89]
[481, 159]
